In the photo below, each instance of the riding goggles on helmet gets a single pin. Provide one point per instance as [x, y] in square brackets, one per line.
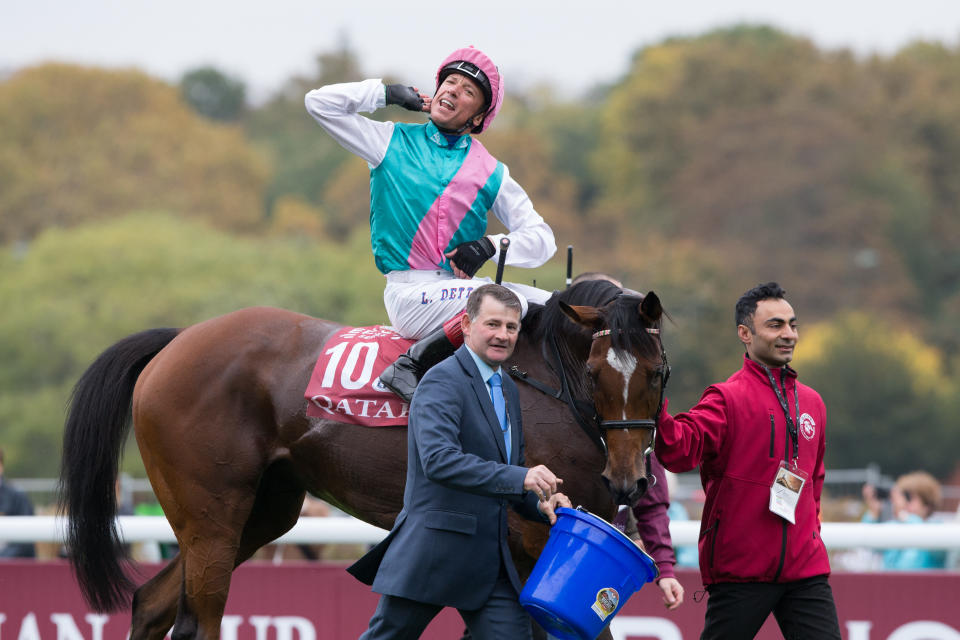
[473, 72]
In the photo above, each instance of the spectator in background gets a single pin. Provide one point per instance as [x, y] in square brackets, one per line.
[876, 499]
[14, 502]
[914, 499]
[595, 275]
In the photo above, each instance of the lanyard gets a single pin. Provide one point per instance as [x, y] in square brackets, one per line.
[791, 423]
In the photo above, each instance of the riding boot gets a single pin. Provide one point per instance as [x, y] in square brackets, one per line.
[402, 376]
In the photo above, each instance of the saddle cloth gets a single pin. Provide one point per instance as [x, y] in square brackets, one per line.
[345, 384]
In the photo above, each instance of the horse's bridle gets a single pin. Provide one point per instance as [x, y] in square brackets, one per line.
[663, 371]
[596, 434]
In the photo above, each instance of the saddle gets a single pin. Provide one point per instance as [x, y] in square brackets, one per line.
[345, 384]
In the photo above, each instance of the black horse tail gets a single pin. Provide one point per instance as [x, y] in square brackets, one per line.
[96, 427]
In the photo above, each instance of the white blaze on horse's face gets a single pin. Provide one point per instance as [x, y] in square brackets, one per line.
[625, 364]
[627, 385]
[622, 391]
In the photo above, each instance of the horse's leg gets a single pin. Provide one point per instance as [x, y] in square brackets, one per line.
[209, 545]
[207, 504]
[155, 603]
[212, 555]
[275, 510]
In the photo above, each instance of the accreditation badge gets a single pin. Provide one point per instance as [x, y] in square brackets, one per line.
[785, 491]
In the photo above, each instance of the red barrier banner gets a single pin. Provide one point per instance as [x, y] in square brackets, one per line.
[320, 601]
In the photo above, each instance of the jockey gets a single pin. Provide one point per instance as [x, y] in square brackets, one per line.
[431, 186]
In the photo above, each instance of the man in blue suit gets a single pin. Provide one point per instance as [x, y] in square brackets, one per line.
[448, 546]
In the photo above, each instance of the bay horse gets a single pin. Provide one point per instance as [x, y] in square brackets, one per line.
[218, 410]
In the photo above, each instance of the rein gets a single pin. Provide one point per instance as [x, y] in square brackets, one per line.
[589, 426]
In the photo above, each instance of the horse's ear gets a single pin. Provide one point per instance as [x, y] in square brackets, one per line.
[588, 317]
[650, 308]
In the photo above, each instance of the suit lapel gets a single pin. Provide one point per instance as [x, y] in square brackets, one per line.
[483, 398]
[513, 410]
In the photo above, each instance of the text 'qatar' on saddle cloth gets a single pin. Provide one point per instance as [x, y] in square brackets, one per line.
[345, 384]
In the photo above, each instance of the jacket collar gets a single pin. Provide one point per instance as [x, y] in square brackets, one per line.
[486, 371]
[759, 370]
[437, 138]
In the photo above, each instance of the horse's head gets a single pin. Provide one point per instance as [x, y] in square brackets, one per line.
[629, 370]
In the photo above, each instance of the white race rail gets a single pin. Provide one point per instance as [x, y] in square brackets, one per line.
[334, 530]
[156, 528]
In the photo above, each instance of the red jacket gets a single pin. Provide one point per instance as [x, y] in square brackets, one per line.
[738, 435]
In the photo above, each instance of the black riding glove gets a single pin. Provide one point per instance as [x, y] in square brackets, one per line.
[404, 96]
[470, 256]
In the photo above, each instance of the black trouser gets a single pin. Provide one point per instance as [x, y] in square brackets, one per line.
[500, 617]
[804, 610]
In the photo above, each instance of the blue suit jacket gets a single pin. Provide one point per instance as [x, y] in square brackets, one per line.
[447, 543]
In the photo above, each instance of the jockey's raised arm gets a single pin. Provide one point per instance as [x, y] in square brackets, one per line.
[432, 186]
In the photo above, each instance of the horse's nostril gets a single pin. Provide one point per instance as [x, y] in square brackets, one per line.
[625, 494]
[606, 483]
[642, 485]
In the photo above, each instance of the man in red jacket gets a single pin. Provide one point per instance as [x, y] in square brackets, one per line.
[759, 441]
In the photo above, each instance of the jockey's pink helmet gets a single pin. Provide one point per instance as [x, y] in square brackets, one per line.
[475, 64]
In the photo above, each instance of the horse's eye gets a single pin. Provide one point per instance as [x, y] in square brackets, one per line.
[657, 377]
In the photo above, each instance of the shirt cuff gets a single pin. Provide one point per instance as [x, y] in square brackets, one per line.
[666, 570]
[382, 96]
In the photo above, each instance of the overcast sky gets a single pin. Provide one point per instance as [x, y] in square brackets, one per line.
[578, 44]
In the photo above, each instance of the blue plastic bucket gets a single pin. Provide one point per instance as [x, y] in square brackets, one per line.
[584, 576]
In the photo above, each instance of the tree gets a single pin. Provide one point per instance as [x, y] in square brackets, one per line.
[308, 162]
[213, 94]
[565, 131]
[80, 144]
[787, 189]
[346, 199]
[888, 398]
[922, 92]
[75, 292]
[528, 157]
[673, 86]
[305, 159]
[780, 157]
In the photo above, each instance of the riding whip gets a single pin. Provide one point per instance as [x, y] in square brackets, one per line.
[504, 245]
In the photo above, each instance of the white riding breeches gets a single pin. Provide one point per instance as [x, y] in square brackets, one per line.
[420, 301]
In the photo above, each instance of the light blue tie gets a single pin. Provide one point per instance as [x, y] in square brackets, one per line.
[496, 394]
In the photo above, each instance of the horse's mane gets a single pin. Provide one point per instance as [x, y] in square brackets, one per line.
[629, 329]
[573, 340]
